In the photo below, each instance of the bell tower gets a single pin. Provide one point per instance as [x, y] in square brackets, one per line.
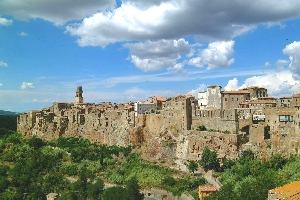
[79, 97]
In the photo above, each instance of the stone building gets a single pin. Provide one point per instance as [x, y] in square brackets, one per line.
[233, 99]
[143, 107]
[284, 102]
[79, 97]
[177, 129]
[211, 98]
[206, 190]
[214, 97]
[261, 102]
[256, 92]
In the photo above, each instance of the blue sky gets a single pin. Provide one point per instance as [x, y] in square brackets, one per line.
[130, 50]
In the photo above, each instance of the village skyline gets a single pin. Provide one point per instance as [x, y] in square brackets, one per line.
[128, 50]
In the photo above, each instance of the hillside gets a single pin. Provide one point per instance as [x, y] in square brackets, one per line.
[8, 120]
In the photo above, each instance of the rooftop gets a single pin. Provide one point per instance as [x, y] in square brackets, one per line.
[207, 188]
[288, 190]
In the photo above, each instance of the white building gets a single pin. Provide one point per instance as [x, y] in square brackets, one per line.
[202, 99]
[143, 107]
[211, 98]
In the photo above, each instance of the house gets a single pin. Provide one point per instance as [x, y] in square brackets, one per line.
[289, 191]
[205, 190]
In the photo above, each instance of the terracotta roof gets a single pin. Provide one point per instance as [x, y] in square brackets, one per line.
[207, 188]
[288, 190]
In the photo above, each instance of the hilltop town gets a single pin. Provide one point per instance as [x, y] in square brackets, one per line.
[173, 130]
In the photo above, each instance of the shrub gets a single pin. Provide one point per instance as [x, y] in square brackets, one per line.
[209, 160]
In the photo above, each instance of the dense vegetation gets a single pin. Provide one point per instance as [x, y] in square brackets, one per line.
[249, 178]
[77, 169]
[8, 120]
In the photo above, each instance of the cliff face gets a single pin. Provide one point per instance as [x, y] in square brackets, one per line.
[103, 124]
[163, 135]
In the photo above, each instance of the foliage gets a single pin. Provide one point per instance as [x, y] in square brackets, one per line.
[8, 122]
[201, 128]
[192, 165]
[209, 160]
[133, 190]
[114, 193]
[250, 178]
[76, 169]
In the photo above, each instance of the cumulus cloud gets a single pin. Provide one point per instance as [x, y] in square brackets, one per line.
[27, 85]
[293, 51]
[56, 11]
[214, 19]
[283, 82]
[217, 54]
[280, 83]
[3, 64]
[200, 88]
[5, 22]
[154, 55]
[232, 85]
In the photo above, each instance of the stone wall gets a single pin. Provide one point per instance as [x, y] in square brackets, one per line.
[194, 142]
[217, 120]
[103, 124]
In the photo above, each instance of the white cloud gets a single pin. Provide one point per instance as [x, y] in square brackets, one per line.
[232, 85]
[280, 83]
[282, 64]
[23, 34]
[154, 55]
[3, 64]
[200, 88]
[169, 19]
[283, 82]
[56, 11]
[217, 54]
[293, 51]
[1, 84]
[5, 22]
[27, 85]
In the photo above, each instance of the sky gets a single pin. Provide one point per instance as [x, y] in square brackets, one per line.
[129, 50]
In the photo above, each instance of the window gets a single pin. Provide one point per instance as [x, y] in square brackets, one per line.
[225, 99]
[285, 118]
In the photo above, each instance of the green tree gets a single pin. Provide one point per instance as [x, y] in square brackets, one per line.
[228, 163]
[36, 142]
[277, 162]
[209, 160]
[81, 185]
[95, 189]
[115, 193]
[192, 166]
[225, 193]
[133, 190]
[247, 155]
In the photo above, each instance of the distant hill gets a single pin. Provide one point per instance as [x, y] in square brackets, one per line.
[8, 120]
[9, 113]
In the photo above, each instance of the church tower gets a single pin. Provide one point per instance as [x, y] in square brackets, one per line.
[79, 97]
